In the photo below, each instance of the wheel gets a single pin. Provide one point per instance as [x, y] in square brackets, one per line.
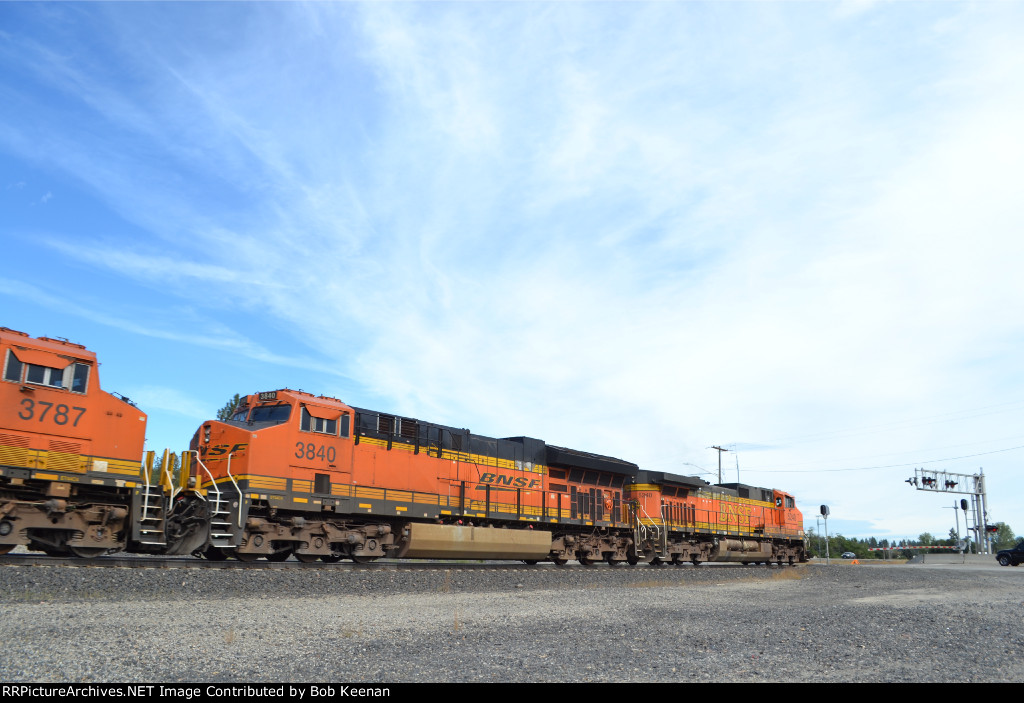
[87, 552]
[559, 561]
[632, 559]
[1004, 560]
[362, 559]
[695, 561]
[656, 561]
[283, 556]
[585, 561]
[247, 556]
[611, 560]
[306, 558]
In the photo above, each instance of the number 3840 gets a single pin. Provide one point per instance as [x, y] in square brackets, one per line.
[310, 451]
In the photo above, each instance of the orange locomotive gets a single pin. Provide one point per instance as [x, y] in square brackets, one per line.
[292, 473]
[295, 474]
[70, 454]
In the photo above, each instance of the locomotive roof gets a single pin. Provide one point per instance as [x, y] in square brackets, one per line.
[659, 477]
[561, 456]
[56, 346]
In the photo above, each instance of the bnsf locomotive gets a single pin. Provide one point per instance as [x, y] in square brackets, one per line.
[293, 474]
[70, 454]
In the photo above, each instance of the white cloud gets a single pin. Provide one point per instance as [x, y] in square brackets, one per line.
[638, 229]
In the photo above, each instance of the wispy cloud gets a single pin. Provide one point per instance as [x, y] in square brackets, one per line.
[639, 228]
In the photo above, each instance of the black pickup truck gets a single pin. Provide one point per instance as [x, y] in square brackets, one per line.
[1011, 557]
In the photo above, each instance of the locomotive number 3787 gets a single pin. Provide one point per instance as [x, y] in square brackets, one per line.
[61, 414]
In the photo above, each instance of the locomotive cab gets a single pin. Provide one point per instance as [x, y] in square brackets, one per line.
[70, 453]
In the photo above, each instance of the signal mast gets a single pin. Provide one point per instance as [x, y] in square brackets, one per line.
[969, 484]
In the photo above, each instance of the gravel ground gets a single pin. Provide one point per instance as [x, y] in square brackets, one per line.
[712, 623]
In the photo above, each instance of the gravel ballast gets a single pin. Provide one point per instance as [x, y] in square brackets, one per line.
[645, 624]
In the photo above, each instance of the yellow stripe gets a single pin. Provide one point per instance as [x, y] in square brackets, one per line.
[64, 461]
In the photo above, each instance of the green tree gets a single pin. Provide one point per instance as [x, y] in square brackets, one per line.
[229, 408]
[1004, 538]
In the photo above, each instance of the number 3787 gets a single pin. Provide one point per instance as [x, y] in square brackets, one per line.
[41, 410]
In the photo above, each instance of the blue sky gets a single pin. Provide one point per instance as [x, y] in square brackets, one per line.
[790, 229]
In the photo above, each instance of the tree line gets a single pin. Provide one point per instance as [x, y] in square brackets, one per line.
[837, 544]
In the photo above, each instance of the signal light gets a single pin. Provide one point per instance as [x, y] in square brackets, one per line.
[992, 529]
[928, 481]
[950, 484]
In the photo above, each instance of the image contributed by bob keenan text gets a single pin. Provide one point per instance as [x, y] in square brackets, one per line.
[191, 692]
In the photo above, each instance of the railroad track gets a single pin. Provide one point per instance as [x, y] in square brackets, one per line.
[157, 562]
[143, 562]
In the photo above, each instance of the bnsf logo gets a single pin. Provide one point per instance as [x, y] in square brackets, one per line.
[221, 449]
[513, 482]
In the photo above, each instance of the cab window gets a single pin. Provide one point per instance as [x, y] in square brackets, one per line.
[79, 378]
[74, 377]
[44, 376]
[12, 368]
[318, 424]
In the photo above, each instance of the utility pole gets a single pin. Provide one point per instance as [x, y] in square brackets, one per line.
[956, 515]
[719, 450]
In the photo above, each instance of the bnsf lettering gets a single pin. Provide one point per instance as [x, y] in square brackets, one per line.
[222, 449]
[511, 481]
[733, 509]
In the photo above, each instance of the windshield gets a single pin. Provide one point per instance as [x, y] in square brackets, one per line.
[271, 413]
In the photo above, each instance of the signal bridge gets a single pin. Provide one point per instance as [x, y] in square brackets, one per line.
[965, 484]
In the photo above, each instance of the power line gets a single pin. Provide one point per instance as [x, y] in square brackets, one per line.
[886, 466]
[896, 425]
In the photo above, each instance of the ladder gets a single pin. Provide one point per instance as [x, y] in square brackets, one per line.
[646, 530]
[222, 533]
[149, 528]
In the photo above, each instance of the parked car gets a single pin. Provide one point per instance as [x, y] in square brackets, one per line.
[848, 555]
[1011, 557]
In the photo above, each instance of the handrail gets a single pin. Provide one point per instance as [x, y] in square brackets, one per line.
[170, 478]
[212, 482]
[237, 490]
[147, 466]
[653, 527]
